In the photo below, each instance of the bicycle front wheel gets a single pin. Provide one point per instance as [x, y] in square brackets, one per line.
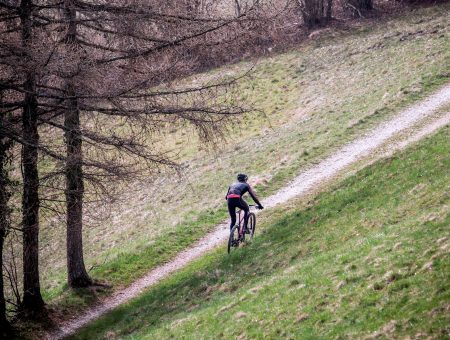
[251, 225]
[233, 240]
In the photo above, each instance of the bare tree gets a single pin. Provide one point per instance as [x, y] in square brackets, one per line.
[5, 165]
[32, 299]
[76, 270]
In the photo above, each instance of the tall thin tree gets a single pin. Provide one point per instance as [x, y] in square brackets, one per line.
[76, 270]
[32, 299]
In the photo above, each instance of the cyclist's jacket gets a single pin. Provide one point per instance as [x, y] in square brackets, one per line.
[238, 189]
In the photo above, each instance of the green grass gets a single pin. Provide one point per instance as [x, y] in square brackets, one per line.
[370, 256]
[315, 98]
[126, 267]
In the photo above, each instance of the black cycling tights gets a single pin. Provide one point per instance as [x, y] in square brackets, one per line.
[234, 203]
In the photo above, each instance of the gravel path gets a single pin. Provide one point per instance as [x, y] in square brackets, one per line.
[303, 183]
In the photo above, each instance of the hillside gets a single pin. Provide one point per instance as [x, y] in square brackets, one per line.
[369, 257]
[315, 98]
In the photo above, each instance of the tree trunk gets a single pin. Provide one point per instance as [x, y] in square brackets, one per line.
[76, 271]
[77, 274]
[329, 9]
[32, 299]
[5, 327]
[4, 224]
[313, 12]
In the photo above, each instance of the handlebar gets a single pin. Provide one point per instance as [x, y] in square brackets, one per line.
[253, 205]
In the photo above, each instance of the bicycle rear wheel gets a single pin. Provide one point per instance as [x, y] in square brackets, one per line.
[251, 225]
[233, 240]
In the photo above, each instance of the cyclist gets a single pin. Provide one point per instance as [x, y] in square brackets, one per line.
[235, 200]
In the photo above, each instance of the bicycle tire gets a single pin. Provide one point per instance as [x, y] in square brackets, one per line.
[234, 238]
[251, 225]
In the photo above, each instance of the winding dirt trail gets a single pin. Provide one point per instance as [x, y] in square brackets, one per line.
[305, 182]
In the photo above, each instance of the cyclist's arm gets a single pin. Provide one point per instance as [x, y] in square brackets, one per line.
[228, 191]
[253, 195]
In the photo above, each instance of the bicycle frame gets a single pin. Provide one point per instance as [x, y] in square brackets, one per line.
[240, 217]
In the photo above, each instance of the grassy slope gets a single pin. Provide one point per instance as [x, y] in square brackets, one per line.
[371, 256]
[316, 98]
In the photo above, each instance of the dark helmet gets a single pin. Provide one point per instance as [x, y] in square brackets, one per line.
[242, 177]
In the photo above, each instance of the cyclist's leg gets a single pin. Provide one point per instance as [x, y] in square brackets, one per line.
[244, 206]
[232, 210]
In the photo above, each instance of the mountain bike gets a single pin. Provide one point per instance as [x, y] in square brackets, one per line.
[235, 239]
